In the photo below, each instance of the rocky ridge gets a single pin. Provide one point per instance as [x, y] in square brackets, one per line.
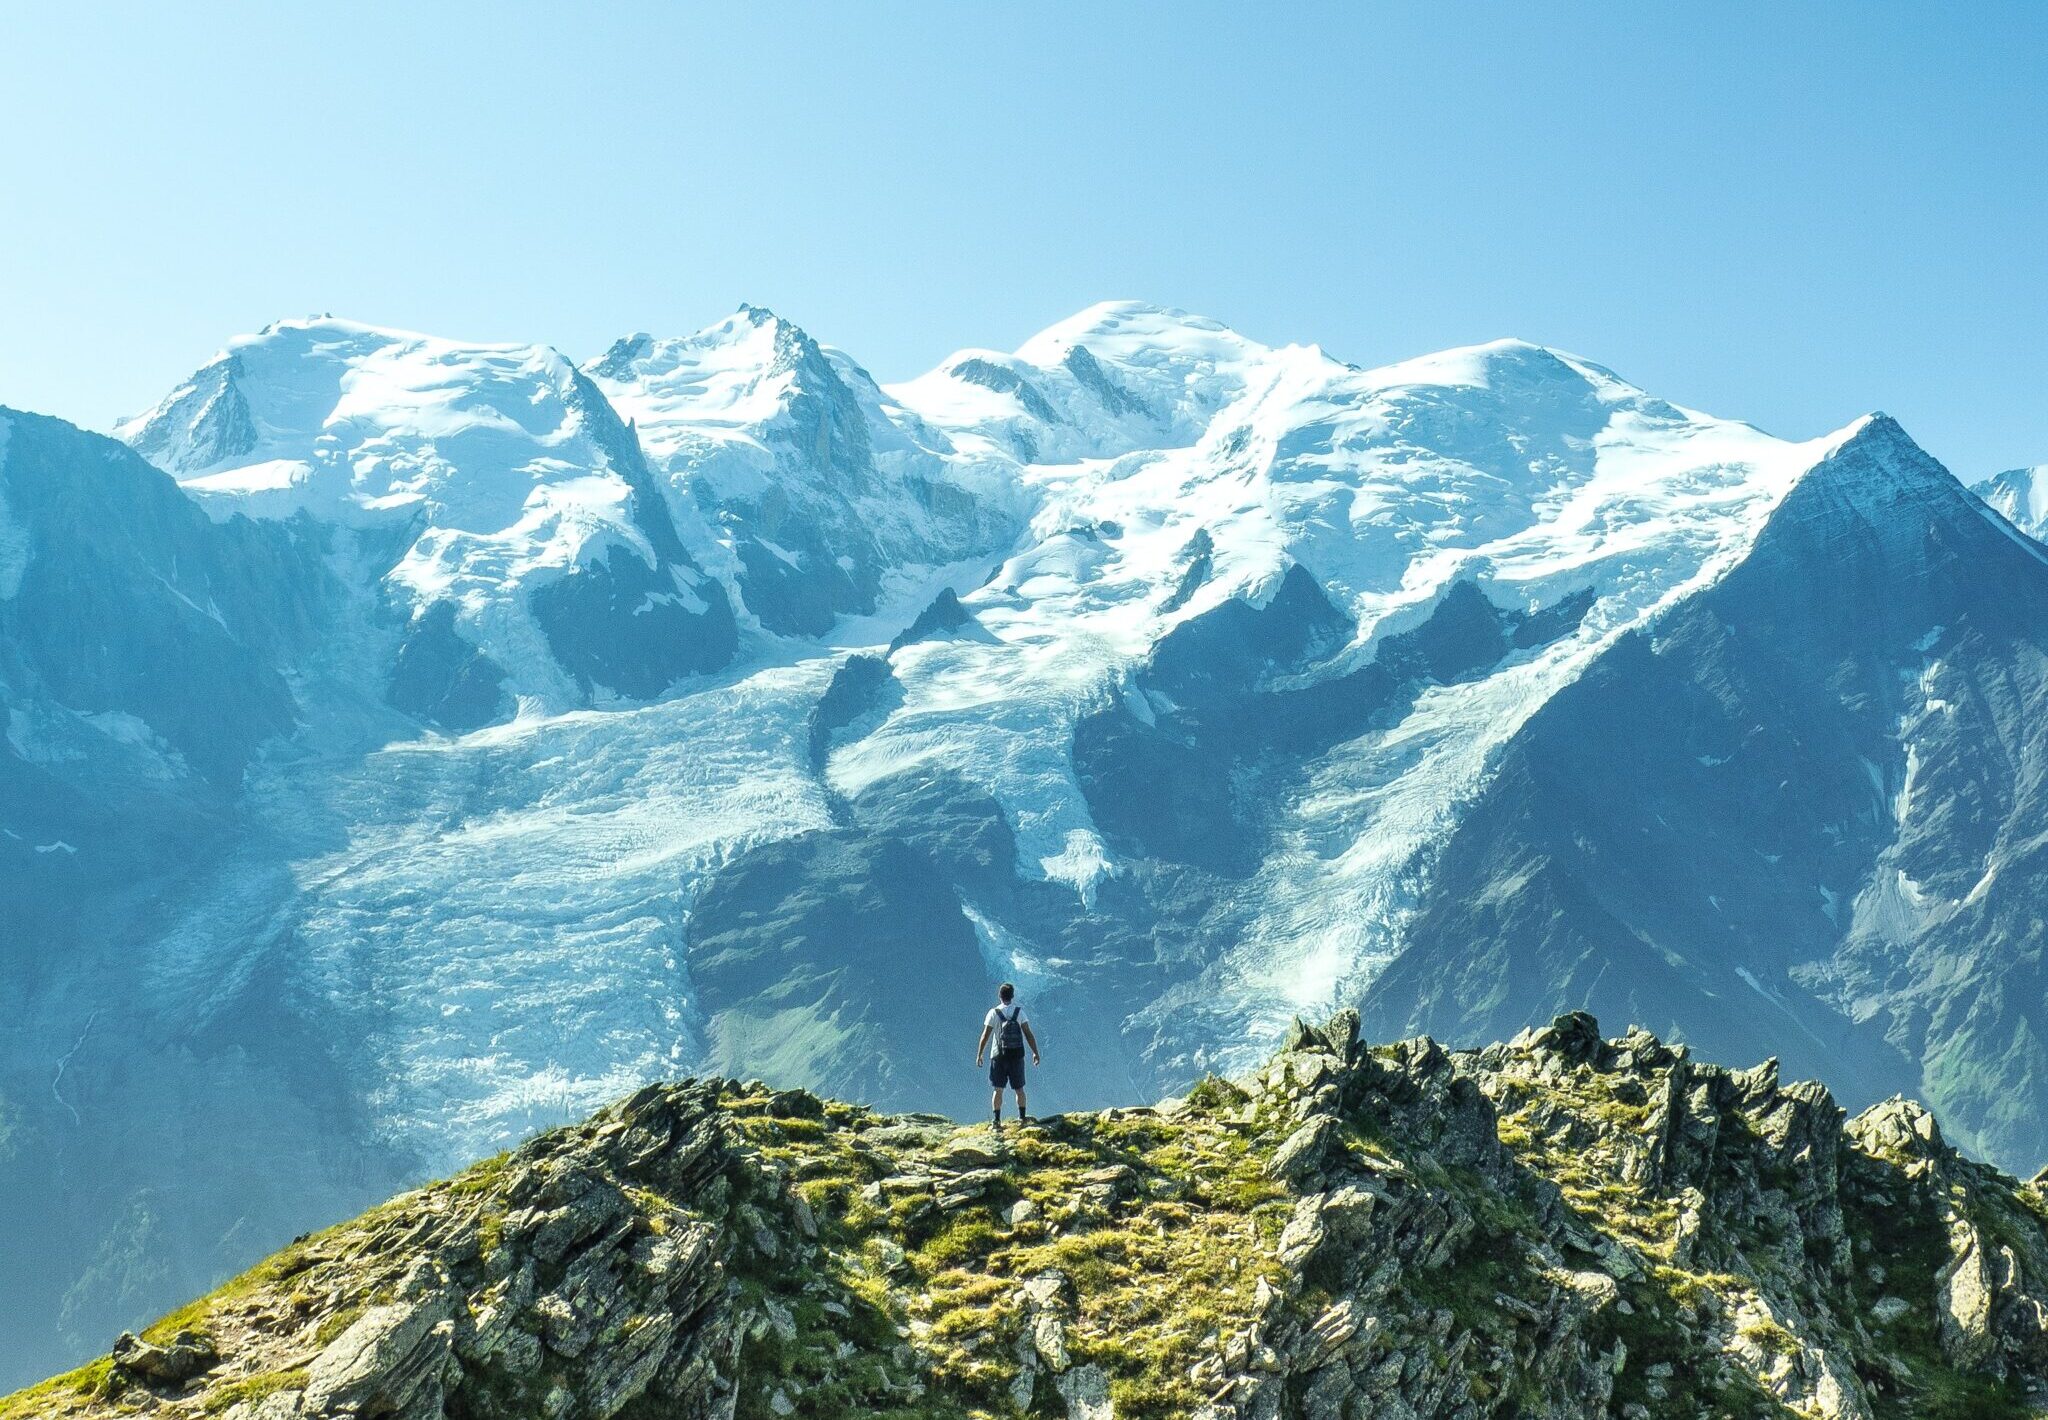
[1558, 1226]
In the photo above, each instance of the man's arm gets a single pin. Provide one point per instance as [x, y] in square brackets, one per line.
[1029, 1038]
[981, 1046]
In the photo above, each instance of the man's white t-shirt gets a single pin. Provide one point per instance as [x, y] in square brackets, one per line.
[994, 1021]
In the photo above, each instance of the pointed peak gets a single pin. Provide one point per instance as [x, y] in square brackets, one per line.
[1872, 469]
[2021, 497]
[750, 319]
[617, 361]
[1875, 435]
[744, 370]
[753, 338]
[1898, 1128]
[751, 323]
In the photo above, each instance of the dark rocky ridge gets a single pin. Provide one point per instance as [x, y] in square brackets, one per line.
[1558, 1226]
[1636, 851]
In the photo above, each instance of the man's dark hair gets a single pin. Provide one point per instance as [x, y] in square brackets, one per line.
[1007, 992]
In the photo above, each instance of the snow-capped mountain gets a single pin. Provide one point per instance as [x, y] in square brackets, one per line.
[532, 731]
[822, 494]
[1803, 809]
[2021, 494]
[510, 516]
[1117, 377]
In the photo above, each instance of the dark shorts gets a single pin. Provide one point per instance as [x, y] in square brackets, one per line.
[1006, 1069]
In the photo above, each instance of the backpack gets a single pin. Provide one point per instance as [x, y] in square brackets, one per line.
[1009, 1033]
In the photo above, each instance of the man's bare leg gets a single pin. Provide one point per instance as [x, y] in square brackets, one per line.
[1021, 1115]
[995, 1103]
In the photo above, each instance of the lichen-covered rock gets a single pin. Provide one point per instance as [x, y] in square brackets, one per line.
[393, 1361]
[1302, 1153]
[179, 1359]
[1561, 1226]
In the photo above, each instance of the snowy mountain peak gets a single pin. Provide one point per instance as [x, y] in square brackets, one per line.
[620, 354]
[278, 417]
[501, 469]
[817, 487]
[1872, 463]
[1116, 377]
[2021, 497]
[1514, 371]
[1123, 332]
[735, 374]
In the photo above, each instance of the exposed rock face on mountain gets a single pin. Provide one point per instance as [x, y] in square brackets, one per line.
[1560, 1226]
[1788, 872]
[444, 738]
[120, 600]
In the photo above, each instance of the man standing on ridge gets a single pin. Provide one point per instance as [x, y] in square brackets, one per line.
[1006, 1067]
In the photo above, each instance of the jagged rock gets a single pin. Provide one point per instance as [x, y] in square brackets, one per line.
[1504, 1217]
[806, 1219]
[1574, 1036]
[967, 1153]
[1759, 1081]
[1964, 1288]
[1297, 1074]
[1049, 1339]
[1048, 1304]
[1337, 1324]
[963, 1188]
[186, 1355]
[1302, 1153]
[392, 1362]
[1339, 1035]
[1085, 1389]
[1691, 1224]
[795, 1104]
[1899, 1127]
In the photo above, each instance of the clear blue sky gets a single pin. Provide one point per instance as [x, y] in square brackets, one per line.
[1784, 213]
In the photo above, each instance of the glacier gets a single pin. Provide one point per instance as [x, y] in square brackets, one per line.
[449, 737]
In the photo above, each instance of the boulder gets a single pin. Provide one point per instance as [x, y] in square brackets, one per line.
[188, 1354]
[1301, 1154]
[392, 1362]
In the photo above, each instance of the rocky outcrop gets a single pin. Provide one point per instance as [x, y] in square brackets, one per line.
[1560, 1226]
